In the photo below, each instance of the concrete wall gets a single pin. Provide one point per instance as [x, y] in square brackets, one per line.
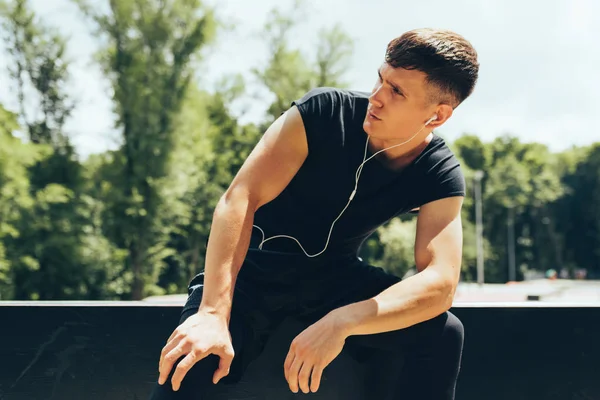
[96, 351]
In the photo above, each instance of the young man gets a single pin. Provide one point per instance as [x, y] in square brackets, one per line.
[285, 236]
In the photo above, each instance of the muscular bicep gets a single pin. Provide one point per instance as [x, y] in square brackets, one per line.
[439, 237]
[274, 161]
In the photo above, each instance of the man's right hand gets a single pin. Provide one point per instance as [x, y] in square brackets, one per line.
[197, 337]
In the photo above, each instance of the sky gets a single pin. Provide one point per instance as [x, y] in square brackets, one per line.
[539, 73]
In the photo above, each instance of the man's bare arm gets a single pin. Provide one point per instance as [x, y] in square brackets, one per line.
[265, 173]
[421, 297]
[438, 255]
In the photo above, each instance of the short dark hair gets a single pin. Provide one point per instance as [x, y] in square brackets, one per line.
[447, 58]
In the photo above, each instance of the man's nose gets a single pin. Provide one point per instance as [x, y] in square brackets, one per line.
[375, 97]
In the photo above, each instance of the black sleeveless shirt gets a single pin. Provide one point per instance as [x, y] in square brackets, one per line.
[333, 119]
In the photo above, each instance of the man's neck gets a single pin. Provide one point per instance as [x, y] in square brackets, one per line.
[399, 157]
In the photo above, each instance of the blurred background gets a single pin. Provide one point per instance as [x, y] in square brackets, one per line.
[123, 121]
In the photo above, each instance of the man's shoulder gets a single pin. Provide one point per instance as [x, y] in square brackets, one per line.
[440, 169]
[437, 150]
[332, 98]
[330, 114]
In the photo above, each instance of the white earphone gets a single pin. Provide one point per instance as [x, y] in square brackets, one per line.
[434, 118]
[357, 177]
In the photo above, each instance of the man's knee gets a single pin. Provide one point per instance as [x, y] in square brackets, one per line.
[454, 330]
[194, 384]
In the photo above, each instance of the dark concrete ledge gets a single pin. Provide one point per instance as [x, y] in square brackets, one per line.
[110, 350]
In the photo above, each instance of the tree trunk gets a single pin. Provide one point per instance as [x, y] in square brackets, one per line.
[195, 261]
[512, 269]
[137, 286]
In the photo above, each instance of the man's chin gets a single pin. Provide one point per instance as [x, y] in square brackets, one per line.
[371, 130]
[368, 127]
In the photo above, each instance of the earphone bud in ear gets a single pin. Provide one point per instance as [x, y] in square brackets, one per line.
[431, 119]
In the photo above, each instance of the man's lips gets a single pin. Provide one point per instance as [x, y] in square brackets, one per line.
[374, 116]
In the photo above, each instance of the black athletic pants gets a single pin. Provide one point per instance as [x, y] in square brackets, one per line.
[423, 360]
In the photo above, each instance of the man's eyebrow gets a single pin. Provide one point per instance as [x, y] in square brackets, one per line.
[392, 84]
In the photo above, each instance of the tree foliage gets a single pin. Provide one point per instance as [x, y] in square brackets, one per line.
[151, 47]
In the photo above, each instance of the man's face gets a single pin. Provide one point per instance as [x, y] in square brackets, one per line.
[399, 104]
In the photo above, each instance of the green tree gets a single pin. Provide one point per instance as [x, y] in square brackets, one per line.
[149, 54]
[51, 231]
[15, 198]
[38, 60]
[474, 156]
[334, 52]
[289, 74]
[397, 240]
[103, 261]
[471, 151]
[519, 186]
[579, 213]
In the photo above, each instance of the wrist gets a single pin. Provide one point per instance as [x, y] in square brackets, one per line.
[222, 312]
[343, 321]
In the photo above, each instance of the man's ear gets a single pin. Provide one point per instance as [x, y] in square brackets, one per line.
[443, 113]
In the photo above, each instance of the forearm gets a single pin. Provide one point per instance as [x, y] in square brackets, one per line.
[421, 297]
[227, 247]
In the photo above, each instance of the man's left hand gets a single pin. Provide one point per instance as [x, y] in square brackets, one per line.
[310, 352]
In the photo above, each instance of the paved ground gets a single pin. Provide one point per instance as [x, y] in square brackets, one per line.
[560, 290]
